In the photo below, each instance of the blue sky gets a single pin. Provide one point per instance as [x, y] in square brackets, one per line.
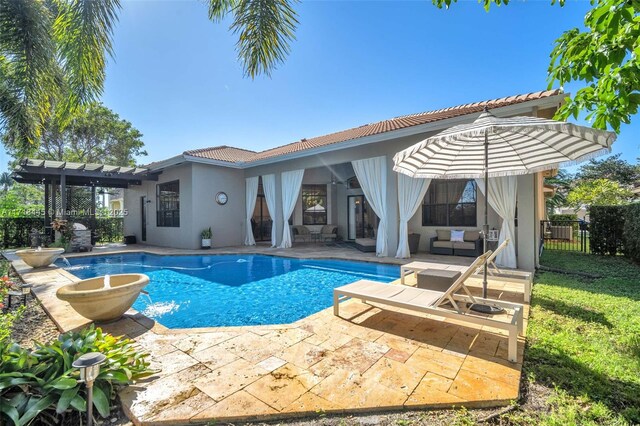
[176, 78]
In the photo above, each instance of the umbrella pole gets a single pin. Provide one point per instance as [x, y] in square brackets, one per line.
[486, 309]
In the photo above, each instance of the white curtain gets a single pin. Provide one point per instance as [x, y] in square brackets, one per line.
[502, 198]
[291, 183]
[372, 175]
[250, 195]
[269, 187]
[411, 192]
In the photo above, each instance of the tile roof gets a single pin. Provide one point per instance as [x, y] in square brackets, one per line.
[243, 156]
[223, 153]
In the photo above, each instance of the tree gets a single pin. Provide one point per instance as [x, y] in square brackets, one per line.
[612, 168]
[598, 192]
[53, 55]
[562, 183]
[6, 181]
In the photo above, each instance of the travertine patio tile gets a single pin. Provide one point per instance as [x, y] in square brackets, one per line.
[312, 403]
[493, 368]
[148, 398]
[214, 357]
[357, 355]
[398, 343]
[441, 363]
[155, 344]
[303, 354]
[397, 355]
[335, 342]
[252, 347]
[354, 391]
[283, 386]
[197, 342]
[485, 344]
[172, 362]
[271, 363]
[229, 379]
[124, 327]
[239, 406]
[428, 396]
[316, 339]
[178, 413]
[288, 337]
[436, 381]
[474, 387]
[461, 342]
[394, 375]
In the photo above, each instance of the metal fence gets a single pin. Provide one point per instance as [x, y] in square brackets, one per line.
[567, 235]
[15, 231]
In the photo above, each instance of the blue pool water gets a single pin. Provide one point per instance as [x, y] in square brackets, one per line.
[229, 290]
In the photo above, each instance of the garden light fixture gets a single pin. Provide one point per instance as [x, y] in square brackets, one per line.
[89, 366]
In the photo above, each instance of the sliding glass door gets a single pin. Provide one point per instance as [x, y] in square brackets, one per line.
[362, 221]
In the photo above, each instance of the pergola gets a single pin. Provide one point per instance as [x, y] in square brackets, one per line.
[62, 174]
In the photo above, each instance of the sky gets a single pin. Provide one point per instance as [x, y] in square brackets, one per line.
[176, 77]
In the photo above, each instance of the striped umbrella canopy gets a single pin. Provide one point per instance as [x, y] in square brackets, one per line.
[516, 146]
[492, 147]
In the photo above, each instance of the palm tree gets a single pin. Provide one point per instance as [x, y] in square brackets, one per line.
[53, 53]
[6, 181]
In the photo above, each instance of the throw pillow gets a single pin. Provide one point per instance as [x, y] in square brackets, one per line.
[457, 236]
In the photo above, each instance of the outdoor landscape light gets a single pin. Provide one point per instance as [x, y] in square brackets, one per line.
[25, 289]
[89, 366]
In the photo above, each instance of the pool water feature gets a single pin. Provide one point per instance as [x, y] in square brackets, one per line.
[232, 290]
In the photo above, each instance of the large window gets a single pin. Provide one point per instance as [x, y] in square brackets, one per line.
[168, 204]
[314, 204]
[450, 203]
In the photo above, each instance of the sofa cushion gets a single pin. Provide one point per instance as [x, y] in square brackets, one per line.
[329, 229]
[471, 235]
[467, 245]
[443, 244]
[457, 236]
[443, 234]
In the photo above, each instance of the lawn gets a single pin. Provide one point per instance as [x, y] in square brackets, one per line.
[584, 340]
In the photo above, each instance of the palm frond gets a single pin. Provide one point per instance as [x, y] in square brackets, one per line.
[83, 31]
[28, 67]
[264, 29]
[218, 9]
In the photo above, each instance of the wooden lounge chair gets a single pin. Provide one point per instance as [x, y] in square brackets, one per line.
[433, 302]
[509, 275]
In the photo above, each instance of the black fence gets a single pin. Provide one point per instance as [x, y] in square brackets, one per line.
[568, 235]
[15, 231]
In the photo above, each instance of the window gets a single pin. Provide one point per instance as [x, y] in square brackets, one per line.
[314, 204]
[450, 203]
[168, 204]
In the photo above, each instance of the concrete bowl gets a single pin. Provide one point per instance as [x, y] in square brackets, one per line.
[39, 258]
[91, 299]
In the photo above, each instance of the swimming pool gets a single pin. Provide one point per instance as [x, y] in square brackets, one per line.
[231, 290]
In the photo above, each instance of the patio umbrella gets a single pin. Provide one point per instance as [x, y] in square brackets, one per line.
[495, 147]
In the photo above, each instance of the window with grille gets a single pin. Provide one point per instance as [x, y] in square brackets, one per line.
[450, 203]
[168, 204]
[314, 204]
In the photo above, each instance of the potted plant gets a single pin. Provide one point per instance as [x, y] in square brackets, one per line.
[64, 234]
[205, 235]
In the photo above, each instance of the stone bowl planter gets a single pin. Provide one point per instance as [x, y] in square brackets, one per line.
[39, 258]
[95, 301]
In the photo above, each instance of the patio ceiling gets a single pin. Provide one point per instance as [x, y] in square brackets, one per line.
[34, 171]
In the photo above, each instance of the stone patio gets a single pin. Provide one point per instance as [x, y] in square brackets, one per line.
[372, 358]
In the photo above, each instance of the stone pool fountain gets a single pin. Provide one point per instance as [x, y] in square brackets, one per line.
[39, 257]
[103, 298]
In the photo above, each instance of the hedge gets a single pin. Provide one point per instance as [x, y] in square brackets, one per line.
[632, 231]
[606, 229]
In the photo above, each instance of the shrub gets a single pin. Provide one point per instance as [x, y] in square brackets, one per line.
[606, 229]
[632, 231]
[41, 385]
[562, 218]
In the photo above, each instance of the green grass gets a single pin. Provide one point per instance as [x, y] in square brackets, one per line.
[584, 339]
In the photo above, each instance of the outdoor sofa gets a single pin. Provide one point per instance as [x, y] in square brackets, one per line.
[442, 244]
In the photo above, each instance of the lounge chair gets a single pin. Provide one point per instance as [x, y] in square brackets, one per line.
[433, 302]
[301, 234]
[509, 275]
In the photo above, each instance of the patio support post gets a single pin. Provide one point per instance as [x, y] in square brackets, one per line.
[47, 218]
[93, 220]
[63, 195]
[53, 199]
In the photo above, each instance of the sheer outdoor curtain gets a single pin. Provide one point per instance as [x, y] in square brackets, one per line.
[269, 187]
[250, 195]
[455, 189]
[372, 175]
[502, 198]
[411, 192]
[291, 183]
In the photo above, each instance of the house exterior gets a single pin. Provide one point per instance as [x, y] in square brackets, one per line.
[206, 187]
